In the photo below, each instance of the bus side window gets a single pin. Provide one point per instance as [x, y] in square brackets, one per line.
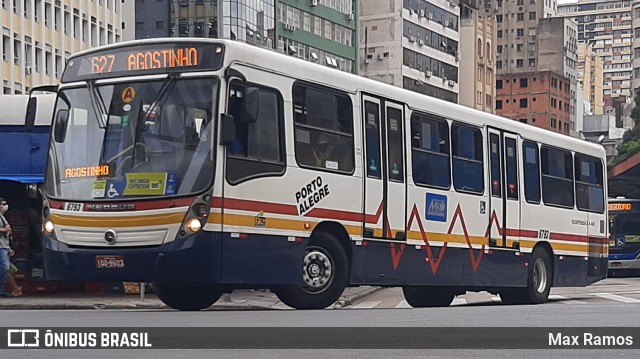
[531, 171]
[589, 188]
[557, 177]
[430, 151]
[468, 169]
[259, 148]
[323, 129]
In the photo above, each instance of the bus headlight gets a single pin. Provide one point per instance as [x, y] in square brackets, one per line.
[193, 225]
[48, 226]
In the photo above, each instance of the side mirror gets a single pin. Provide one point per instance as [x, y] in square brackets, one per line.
[32, 109]
[228, 129]
[32, 105]
[60, 125]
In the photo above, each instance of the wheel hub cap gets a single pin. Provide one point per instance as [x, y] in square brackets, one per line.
[317, 270]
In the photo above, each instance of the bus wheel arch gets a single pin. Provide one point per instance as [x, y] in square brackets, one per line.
[325, 274]
[539, 278]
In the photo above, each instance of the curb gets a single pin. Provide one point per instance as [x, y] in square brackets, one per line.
[343, 302]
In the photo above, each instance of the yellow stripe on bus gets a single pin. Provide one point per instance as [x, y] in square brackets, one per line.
[118, 222]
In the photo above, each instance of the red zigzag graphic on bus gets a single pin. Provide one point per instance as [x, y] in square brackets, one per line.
[435, 263]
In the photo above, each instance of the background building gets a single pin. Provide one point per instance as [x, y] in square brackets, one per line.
[412, 44]
[322, 31]
[477, 57]
[39, 35]
[607, 26]
[590, 77]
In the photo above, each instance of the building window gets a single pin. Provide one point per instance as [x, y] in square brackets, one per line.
[524, 103]
[498, 104]
[520, 16]
[499, 33]
[520, 32]
[524, 83]
[520, 63]
[498, 84]
[532, 62]
[532, 15]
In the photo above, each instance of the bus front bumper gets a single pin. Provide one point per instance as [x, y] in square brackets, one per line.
[187, 259]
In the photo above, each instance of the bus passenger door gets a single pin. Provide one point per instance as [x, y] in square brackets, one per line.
[384, 188]
[504, 208]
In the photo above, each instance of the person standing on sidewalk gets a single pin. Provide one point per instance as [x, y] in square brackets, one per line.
[5, 249]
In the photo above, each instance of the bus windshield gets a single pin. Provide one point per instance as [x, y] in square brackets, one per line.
[624, 230]
[133, 140]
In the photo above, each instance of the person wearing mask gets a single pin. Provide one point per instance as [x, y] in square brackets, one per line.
[5, 249]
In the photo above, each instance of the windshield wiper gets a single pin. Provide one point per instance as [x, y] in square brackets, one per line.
[165, 88]
[97, 103]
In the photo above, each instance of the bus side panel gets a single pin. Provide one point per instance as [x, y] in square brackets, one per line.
[571, 272]
[399, 264]
[501, 268]
[261, 259]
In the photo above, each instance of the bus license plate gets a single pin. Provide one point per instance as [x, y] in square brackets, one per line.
[109, 261]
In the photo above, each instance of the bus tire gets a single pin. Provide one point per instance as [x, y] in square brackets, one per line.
[325, 274]
[187, 296]
[424, 297]
[539, 280]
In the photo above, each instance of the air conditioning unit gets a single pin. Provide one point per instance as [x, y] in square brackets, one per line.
[446, 23]
[350, 16]
[269, 43]
[428, 74]
[430, 16]
[418, 83]
[28, 70]
[289, 27]
[411, 12]
[380, 57]
[451, 83]
[412, 39]
[314, 2]
[422, 13]
[421, 42]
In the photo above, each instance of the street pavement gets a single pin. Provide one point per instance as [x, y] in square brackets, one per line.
[238, 300]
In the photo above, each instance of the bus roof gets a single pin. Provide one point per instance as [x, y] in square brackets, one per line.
[249, 55]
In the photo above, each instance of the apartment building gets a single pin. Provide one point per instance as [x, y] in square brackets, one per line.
[477, 57]
[321, 31]
[607, 26]
[590, 77]
[412, 44]
[38, 36]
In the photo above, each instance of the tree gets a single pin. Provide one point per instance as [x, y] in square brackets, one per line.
[631, 140]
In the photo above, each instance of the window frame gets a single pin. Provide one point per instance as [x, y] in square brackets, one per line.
[524, 170]
[283, 142]
[335, 92]
[584, 157]
[478, 130]
[542, 176]
[422, 117]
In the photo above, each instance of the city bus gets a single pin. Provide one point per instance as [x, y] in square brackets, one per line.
[205, 165]
[624, 235]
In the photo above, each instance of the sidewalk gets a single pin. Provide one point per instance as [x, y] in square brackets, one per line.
[238, 300]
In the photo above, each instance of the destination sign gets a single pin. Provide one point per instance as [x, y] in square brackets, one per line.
[624, 206]
[87, 171]
[145, 59]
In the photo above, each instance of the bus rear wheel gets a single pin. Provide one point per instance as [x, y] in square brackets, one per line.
[423, 296]
[538, 282]
[325, 274]
[187, 296]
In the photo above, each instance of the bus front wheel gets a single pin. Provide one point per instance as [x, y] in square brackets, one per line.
[423, 296]
[187, 296]
[538, 282]
[325, 274]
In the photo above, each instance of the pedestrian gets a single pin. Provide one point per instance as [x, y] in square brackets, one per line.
[5, 248]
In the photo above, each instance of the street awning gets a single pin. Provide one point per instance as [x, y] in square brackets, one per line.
[23, 178]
